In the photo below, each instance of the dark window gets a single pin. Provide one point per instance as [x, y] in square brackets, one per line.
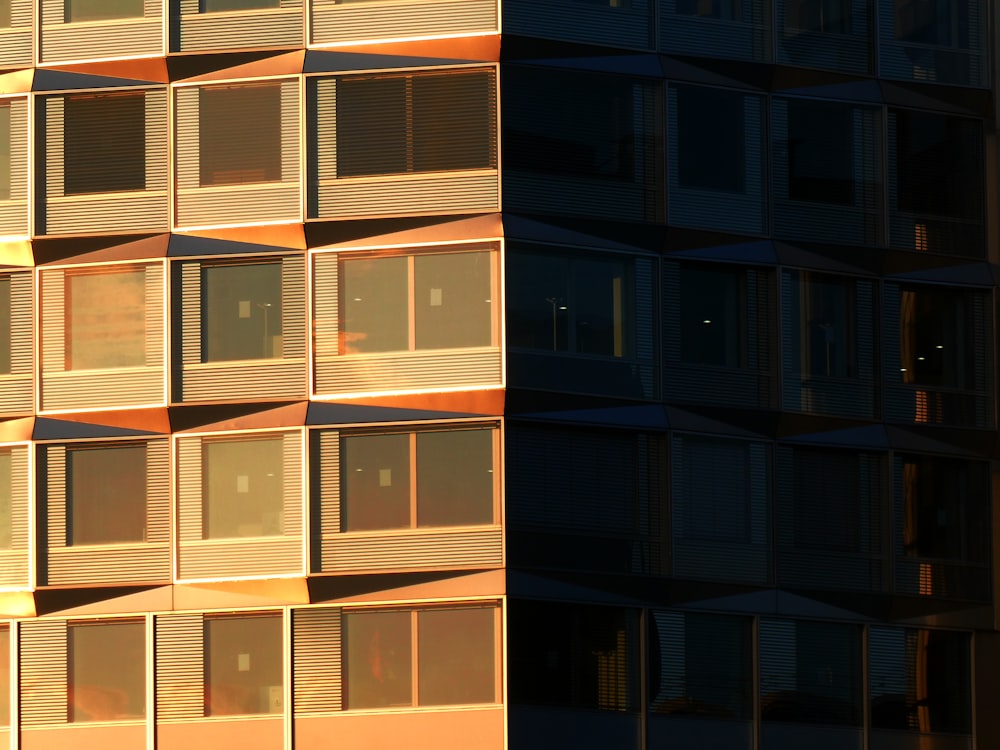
[712, 317]
[242, 481]
[580, 305]
[102, 10]
[107, 671]
[939, 165]
[826, 16]
[243, 665]
[415, 123]
[239, 132]
[241, 311]
[5, 151]
[579, 656]
[920, 680]
[423, 479]
[701, 665]
[936, 336]
[723, 10]
[210, 6]
[810, 672]
[453, 656]
[820, 152]
[572, 123]
[104, 142]
[829, 514]
[106, 495]
[711, 139]
[946, 23]
[824, 321]
[105, 318]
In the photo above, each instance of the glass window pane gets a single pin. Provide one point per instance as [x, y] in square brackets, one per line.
[711, 139]
[5, 21]
[945, 509]
[537, 309]
[371, 126]
[826, 16]
[821, 152]
[5, 151]
[6, 500]
[102, 10]
[453, 123]
[379, 660]
[241, 312]
[243, 665]
[456, 661]
[455, 478]
[107, 671]
[375, 305]
[711, 317]
[5, 335]
[210, 6]
[106, 495]
[104, 142]
[826, 327]
[723, 10]
[377, 484]
[453, 300]
[935, 338]
[4, 677]
[243, 482]
[239, 131]
[106, 319]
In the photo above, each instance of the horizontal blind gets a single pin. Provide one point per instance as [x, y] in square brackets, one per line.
[180, 666]
[43, 678]
[317, 660]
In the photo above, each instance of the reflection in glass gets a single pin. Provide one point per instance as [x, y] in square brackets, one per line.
[107, 674]
[711, 307]
[935, 338]
[211, 6]
[102, 10]
[723, 10]
[456, 662]
[820, 152]
[711, 137]
[106, 495]
[379, 659]
[105, 318]
[239, 134]
[823, 326]
[376, 471]
[824, 16]
[243, 665]
[242, 487]
[455, 478]
[241, 311]
[104, 142]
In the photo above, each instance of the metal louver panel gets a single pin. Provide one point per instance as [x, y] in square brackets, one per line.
[467, 192]
[180, 663]
[624, 25]
[326, 505]
[125, 386]
[277, 27]
[14, 561]
[803, 41]
[14, 136]
[334, 22]
[744, 36]
[92, 207]
[133, 37]
[420, 370]
[316, 661]
[16, 388]
[574, 195]
[246, 379]
[249, 202]
[413, 550]
[43, 673]
[15, 42]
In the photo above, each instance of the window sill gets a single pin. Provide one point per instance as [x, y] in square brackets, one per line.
[402, 533]
[405, 176]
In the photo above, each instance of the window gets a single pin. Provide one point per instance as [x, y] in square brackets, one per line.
[241, 311]
[810, 672]
[418, 480]
[242, 486]
[105, 142]
[579, 305]
[920, 680]
[105, 318]
[712, 302]
[6, 501]
[454, 663]
[4, 676]
[824, 336]
[243, 665]
[5, 23]
[5, 325]
[825, 16]
[239, 131]
[821, 159]
[107, 670]
[711, 138]
[106, 495]
[210, 6]
[6, 154]
[416, 302]
[425, 122]
[723, 10]
[102, 10]
[936, 338]
[939, 22]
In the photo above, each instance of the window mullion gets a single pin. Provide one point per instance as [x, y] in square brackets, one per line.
[414, 660]
[411, 302]
[413, 480]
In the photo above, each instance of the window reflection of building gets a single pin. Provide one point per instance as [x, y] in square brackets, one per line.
[243, 664]
[105, 318]
[711, 317]
[827, 337]
[106, 495]
[243, 487]
[241, 311]
[107, 670]
[934, 338]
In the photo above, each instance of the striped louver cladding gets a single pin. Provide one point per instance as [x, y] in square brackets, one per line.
[317, 660]
[619, 24]
[240, 506]
[720, 509]
[337, 23]
[14, 515]
[269, 27]
[740, 29]
[105, 163]
[102, 336]
[237, 153]
[131, 29]
[16, 363]
[43, 673]
[13, 166]
[133, 545]
[412, 143]
[274, 366]
[180, 666]
[829, 522]
[16, 34]
[834, 37]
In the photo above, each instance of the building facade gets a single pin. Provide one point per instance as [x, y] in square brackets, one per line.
[464, 374]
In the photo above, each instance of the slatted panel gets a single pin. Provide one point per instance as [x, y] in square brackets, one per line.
[259, 380]
[14, 560]
[278, 27]
[720, 496]
[748, 38]
[242, 203]
[180, 662]
[610, 23]
[429, 370]
[15, 42]
[189, 488]
[329, 486]
[743, 211]
[843, 49]
[43, 678]
[119, 38]
[16, 389]
[415, 550]
[53, 343]
[446, 193]
[326, 315]
[334, 22]
[316, 661]
[14, 209]
[56, 490]
[293, 307]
